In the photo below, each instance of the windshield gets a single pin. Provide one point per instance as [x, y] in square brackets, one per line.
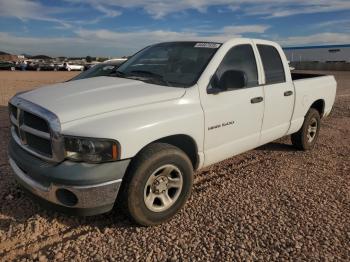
[103, 69]
[171, 64]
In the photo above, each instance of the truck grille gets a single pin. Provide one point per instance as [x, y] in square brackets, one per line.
[36, 130]
[31, 130]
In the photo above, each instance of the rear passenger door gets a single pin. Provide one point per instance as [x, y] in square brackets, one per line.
[279, 94]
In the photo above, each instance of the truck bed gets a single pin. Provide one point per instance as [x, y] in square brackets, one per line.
[298, 76]
[310, 88]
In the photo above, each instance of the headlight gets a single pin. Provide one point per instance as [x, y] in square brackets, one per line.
[91, 150]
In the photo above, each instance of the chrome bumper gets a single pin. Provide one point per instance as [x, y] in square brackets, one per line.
[88, 197]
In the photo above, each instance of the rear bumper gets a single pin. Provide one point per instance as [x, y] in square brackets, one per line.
[69, 187]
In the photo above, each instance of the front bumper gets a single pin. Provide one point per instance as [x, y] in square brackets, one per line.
[75, 188]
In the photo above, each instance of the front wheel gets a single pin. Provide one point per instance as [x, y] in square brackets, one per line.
[306, 137]
[158, 184]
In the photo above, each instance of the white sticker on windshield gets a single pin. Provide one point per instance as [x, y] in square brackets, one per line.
[207, 45]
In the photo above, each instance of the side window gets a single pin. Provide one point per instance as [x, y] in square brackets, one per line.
[240, 66]
[273, 66]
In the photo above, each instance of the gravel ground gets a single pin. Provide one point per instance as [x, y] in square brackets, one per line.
[271, 203]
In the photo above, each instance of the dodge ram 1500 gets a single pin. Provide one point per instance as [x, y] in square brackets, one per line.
[135, 137]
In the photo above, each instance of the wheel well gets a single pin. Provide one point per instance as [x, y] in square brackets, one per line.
[186, 144]
[319, 106]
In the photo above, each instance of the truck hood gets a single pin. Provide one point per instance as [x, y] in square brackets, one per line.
[82, 98]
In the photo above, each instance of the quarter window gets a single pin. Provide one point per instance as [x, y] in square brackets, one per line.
[273, 66]
[240, 58]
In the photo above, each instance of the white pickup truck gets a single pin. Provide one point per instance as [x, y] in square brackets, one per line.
[135, 137]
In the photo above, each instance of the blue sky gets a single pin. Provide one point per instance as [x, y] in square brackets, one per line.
[121, 27]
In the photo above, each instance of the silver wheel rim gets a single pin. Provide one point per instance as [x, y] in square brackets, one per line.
[312, 130]
[163, 188]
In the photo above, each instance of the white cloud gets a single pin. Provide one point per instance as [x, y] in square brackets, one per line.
[308, 7]
[107, 11]
[267, 8]
[101, 42]
[104, 42]
[34, 10]
[239, 29]
[230, 31]
[27, 10]
[342, 24]
[321, 38]
[147, 37]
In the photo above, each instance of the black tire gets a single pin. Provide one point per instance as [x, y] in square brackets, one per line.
[301, 139]
[149, 160]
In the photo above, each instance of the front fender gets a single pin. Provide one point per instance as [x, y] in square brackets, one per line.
[136, 127]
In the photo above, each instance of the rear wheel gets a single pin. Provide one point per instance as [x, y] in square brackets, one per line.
[306, 137]
[158, 184]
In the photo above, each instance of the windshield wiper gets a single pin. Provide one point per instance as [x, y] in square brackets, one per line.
[144, 72]
[118, 74]
[151, 74]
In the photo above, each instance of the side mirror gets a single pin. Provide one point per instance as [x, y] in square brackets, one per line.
[214, 90]
[214, 86]
[230, 79]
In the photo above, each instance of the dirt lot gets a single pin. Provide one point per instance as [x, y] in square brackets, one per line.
[272, 203]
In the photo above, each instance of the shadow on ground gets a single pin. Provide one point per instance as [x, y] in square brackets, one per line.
[277, 146]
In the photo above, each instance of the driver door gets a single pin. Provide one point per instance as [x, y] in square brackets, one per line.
[233, 117]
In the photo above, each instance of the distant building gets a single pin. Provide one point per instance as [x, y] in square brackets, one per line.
[326, 53]
[8, 57]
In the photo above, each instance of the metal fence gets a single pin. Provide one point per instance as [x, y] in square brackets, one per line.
[334, 66]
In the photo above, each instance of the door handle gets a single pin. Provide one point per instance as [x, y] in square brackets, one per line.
[256, 100]
[288, 93]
